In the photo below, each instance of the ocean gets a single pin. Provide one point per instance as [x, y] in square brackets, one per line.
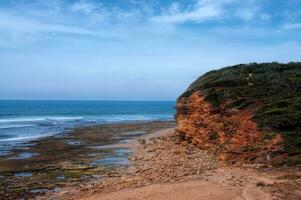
[24, 120]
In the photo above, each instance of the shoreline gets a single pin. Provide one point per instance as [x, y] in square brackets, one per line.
[24, 141]
[166, 167]
[85, 154]
[160, 166]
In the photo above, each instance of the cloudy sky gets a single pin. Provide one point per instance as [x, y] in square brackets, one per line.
[136, 49]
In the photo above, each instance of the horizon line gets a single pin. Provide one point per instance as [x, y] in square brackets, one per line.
[8, 99]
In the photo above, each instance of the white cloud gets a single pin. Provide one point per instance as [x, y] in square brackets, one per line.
[27, 25]
[251, 10]
[265, 16]
[208, 10]
[292, 26]
[246, 13]
[95, 18]
[83, 6]
[201, 11]
[17, 31]
[96, 13]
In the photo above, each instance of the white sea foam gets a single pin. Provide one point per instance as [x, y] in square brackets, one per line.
[34, 119]
[26, 138]
[64, 118]
[19, 119]
[58, 124]
[15, 126]
[128, 118]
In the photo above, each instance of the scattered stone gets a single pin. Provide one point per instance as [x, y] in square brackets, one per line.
[260, 184]
[142, 141]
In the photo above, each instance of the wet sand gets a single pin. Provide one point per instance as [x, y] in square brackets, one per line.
[84, 154]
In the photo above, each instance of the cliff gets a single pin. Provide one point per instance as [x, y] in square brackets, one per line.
[249, 113]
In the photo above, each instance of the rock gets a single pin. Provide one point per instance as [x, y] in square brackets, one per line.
[142, 141]
[64, 192]
[177, 151]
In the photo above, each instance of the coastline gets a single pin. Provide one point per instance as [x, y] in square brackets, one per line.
[160, 165]
[84, 154]
[166, 167]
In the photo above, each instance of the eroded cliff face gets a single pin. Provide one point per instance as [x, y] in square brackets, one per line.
[231, 134]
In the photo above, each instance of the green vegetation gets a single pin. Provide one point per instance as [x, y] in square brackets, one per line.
[272, 90]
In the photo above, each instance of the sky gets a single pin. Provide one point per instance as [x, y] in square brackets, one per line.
[136, 49]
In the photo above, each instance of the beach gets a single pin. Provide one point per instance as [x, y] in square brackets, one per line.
[137, 160]
[163, 166]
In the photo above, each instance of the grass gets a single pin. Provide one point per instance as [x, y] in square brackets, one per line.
[272, 90]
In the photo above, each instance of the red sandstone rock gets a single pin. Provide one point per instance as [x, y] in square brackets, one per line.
[233, 132]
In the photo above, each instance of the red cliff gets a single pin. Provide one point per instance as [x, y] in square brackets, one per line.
[248, 113]
[232, 133]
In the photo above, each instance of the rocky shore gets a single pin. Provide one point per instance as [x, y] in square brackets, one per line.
[164, 166]
[82, 155]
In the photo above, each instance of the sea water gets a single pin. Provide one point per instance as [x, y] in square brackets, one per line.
[23, 120]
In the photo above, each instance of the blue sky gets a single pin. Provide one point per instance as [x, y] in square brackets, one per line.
[136, 49]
